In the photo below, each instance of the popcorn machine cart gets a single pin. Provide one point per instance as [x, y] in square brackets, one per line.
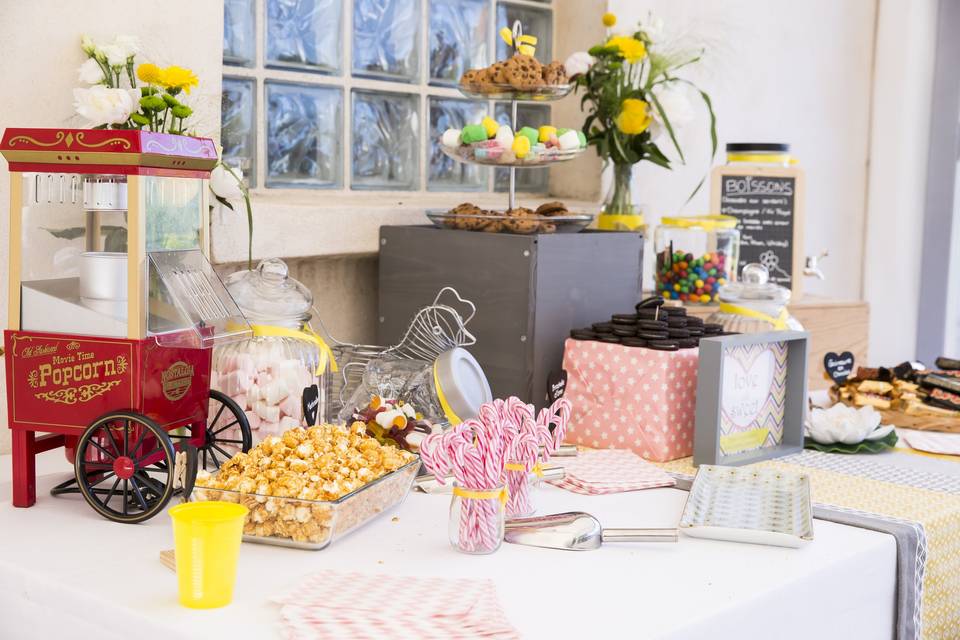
[113, 313]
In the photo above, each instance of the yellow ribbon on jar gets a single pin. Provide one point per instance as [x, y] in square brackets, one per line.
[537, 469]
[447, 409]
[779, 323]
[306, 334]
[500, 494]
[620, 221]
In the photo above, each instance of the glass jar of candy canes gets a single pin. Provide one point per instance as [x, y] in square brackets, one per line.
[281, 370]
[696, 255]
[477, 518]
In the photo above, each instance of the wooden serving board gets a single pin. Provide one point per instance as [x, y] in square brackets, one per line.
[921, 423]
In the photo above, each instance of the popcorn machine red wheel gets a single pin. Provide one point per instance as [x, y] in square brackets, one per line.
[113, 313]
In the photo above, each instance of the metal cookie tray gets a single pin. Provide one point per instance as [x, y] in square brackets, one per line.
[741, 504]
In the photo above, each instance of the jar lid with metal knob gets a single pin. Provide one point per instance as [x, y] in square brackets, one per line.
[268, 295]
[754, 304]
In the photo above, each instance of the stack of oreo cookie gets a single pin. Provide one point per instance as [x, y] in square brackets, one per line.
[653, 326]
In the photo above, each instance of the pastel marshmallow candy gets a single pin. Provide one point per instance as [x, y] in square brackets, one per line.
[521, 146]
[505, 136]
[569, 140]
[473, 133]
[451, 138]
[545, 132]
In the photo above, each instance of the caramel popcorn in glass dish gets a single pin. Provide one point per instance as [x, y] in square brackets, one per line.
[305, 485]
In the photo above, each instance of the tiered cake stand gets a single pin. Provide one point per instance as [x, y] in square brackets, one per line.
[546, 93]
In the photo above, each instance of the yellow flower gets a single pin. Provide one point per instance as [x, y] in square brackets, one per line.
[149, 73]
[609, 19]
[634, 117]
[631, 49]
[178, 78]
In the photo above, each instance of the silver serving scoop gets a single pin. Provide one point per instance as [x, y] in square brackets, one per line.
[576, 531]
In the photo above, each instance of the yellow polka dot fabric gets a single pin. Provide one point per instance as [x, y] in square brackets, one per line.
[938, 512]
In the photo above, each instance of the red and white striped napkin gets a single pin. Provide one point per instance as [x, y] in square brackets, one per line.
[602, 471]
[355, 606]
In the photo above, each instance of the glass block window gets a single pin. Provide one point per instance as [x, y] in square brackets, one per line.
[386, 38]
[458, 38]
[385, 150]
[303, 135]
[239, 44]
[304, 34]
[238, 131]
[351, 95]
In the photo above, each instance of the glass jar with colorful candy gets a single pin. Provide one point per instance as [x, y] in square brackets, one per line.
[696, 255]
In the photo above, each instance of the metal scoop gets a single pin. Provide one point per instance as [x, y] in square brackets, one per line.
[576, 531]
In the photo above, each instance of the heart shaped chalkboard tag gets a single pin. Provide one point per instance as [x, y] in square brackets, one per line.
[311, 402]
[556, 386]
[839, 366]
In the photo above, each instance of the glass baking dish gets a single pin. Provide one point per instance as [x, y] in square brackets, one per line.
[314, 524]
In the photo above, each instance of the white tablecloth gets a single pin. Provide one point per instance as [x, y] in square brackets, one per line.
[67, 573]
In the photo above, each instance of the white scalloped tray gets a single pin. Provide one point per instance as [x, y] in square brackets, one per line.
[743, 504]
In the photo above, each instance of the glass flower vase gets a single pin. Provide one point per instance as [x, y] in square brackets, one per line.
[619, 212]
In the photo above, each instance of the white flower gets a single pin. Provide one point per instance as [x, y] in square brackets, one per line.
[672, 97]
[848, 425]
[101, 105]
[223, 184]
[577, 63]
[115, 55]
[90, 72]
[87, 44]
[652, 26]
[130, 45]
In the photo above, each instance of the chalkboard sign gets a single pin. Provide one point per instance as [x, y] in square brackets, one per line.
[768, 202]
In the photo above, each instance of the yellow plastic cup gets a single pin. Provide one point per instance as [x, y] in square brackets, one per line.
[206, 538]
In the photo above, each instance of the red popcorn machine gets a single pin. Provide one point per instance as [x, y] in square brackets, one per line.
[113, 313]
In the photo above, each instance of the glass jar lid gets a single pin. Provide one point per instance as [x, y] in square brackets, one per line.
[708, 223]
[268, 295]
[462, 385]
[754, 286]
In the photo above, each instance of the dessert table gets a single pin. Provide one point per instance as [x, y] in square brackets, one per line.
[66, 572]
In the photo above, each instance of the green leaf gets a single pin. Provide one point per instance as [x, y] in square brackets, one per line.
[867, 446]
[655, 155]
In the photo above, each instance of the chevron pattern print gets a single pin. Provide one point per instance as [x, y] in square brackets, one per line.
[753, 397]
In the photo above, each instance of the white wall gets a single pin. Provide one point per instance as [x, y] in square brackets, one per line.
[779, 71]
[906, 41]
[40, 49]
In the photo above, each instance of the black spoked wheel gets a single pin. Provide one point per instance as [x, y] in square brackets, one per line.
[228, 431]
[123, 467]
